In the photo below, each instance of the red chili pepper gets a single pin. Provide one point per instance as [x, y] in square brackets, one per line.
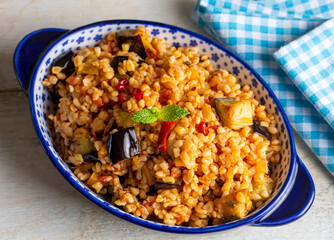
[120, 98]
[137, 94]
[122, 84]
[58, 117]
[202, 129]
[163, 134]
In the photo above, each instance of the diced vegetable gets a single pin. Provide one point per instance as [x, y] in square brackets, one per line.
[149, 48]
[135, 41]
[91, 157]
[137, 93]
[122, 84]
[163, 134]
[261, 130]
[232, 209]
[162, 185]
[120, 99]
[65, 62]
[81, 142]
[233, 113]
[88, 69]
[202, 129]
[123, 118]
[122, 145]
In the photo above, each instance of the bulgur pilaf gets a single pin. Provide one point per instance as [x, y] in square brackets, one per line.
[214, 168]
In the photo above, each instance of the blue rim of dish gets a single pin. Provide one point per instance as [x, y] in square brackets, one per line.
[274, 203]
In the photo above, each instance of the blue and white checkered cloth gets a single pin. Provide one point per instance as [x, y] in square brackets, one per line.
[258, 30]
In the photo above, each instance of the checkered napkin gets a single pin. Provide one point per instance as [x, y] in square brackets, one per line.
[258, 30]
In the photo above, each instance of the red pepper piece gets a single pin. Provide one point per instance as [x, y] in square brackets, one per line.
[202, 129]
[120, 98]
[163, 134]
[137, 94]
[122, 84]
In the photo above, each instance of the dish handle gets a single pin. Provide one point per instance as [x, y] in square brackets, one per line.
[298, 201]
[28, 50]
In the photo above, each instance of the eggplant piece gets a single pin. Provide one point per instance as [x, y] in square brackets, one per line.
[81, 142]
[233, 113]
[261, 130]
[232, 209]
[119, 59]
[122, 145]
[136, 43]
[91, 157]
[54, 96]
[116, 60]
[65, 62]
[163, 185]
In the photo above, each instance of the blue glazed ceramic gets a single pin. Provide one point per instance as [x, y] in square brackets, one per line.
[294, 191]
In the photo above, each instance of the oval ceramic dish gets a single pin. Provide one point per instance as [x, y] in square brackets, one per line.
[294, 191]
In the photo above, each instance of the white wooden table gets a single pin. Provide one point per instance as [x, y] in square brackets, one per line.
[35, 200]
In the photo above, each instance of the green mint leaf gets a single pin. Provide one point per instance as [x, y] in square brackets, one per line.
[172, 113]
[146, 115]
